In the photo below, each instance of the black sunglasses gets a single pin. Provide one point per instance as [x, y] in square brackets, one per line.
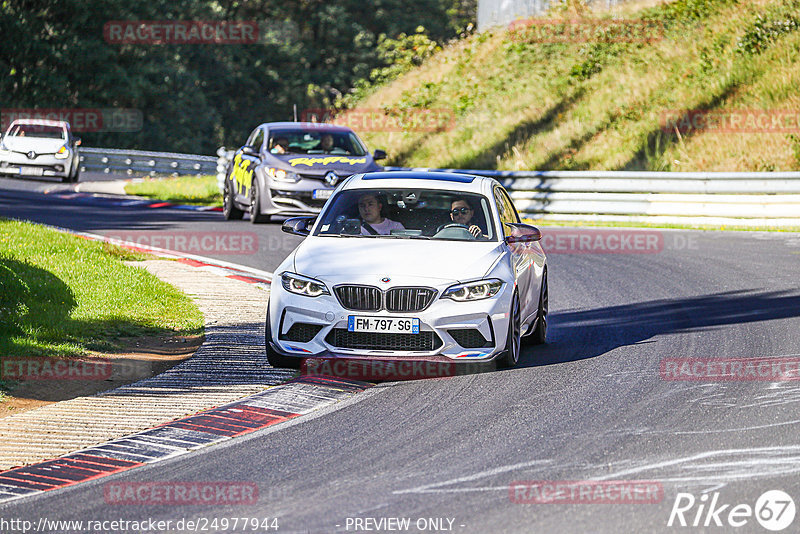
[462, 211]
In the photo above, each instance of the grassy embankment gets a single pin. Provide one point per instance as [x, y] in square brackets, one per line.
[201, 190]
[520, 105]
[62, 296]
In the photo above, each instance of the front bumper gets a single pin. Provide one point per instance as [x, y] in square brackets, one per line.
[41, 165]
[453, 331]
[297, 198]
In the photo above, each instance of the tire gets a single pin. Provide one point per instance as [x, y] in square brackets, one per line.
[274, 358]
[539, 334]
[76, 170]
[229, 209]
[255, 205]
[510, 357]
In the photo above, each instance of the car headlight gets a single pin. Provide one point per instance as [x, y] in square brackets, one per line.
[302, 285]
[282, 175]
[482, 289]
[62, 153]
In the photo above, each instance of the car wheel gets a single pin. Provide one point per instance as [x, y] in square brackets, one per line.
[76, 169]
[511, 355]
[229, 210]
[255, 205]
[274, 358]
[539, 334]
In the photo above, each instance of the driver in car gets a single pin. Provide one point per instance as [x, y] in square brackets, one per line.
[372, 222]
[461, 212]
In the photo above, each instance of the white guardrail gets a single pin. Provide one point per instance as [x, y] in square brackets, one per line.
[714, 198]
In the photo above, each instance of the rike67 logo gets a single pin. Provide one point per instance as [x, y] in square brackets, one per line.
[774, 510]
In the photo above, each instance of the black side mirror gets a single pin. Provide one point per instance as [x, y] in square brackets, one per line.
[298, 225]
[523, 233]
[379, 154]
[76, 141]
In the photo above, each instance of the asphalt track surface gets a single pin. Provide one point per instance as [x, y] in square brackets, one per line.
[590, 405]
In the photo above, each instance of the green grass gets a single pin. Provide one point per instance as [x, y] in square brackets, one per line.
[200, 190]
[522, 105]
[64, 296]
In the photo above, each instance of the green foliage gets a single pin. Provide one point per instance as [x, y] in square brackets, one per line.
[397, 56]
[194, 98]
[795, 140]
[682, 11]
[403, 53]
[765, 30]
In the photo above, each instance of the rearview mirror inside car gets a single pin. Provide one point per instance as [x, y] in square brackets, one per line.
[298, 225]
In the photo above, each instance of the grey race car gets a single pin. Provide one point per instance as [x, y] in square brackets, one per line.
[291, 168]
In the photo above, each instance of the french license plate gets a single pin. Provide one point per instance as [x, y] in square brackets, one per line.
[31, 171]
[320, 194]
[390, 325]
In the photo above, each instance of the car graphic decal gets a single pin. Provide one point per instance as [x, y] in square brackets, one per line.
[327, 160]
[242, 173]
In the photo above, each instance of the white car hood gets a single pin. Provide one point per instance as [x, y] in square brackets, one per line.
[350, 258]
[40, 145]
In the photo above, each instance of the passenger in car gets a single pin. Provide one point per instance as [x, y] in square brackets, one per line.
[372, 220]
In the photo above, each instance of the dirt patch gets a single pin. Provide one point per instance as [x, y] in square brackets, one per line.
[140, 358]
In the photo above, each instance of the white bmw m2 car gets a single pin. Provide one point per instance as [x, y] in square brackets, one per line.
[427, 266]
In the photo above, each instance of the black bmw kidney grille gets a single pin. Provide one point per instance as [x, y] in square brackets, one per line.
[424, 341]
[360, 298]
[368, 298]
[408, 299]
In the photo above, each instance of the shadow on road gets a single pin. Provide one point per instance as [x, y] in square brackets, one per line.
[604, 329]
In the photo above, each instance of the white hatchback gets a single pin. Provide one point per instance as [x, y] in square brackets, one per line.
[410, 265]
[38, 147]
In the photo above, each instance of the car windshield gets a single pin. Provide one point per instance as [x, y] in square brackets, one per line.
[300, 141]
[408, 213]
[37, 130]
